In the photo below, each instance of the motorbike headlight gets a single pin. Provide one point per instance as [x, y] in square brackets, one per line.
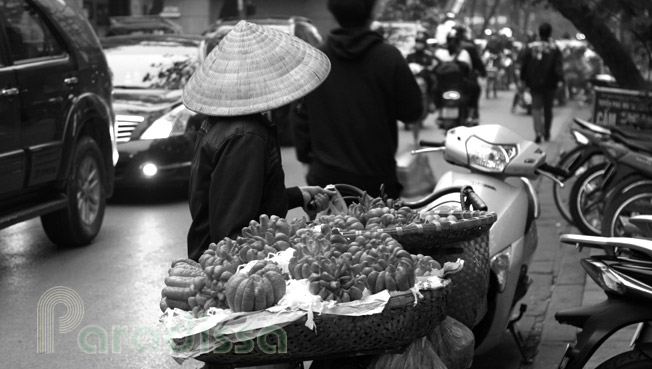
[489, 157]
[603, 276]
[171, 123]
[579, 137]
[500, 266]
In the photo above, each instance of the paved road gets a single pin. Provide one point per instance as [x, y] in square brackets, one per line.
[118, 278]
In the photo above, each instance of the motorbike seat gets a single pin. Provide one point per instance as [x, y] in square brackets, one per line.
[633, 132]
[633, 138]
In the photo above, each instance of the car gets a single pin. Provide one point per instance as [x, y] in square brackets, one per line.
[57, 134]
[144, 24]
[155, 132]
[301, 27]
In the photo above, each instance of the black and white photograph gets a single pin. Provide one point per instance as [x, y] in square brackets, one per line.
[326, 184]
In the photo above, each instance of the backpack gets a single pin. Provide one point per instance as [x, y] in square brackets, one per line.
[449, 72]
[539, 71]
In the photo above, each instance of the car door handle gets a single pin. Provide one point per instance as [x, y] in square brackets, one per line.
[9, 92]
[71, 81]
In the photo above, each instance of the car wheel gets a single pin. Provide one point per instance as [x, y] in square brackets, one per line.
[80, 221]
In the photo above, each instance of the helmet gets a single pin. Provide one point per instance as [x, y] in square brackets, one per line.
[464, 31]
[454, 35]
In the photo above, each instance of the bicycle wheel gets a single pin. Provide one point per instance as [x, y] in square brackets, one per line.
[562, 195]
[622, 206]
[587, 203]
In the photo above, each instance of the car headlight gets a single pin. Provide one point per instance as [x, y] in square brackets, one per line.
[171, 123]
[489, 157]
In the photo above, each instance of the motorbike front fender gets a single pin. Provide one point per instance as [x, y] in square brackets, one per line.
[598, 323]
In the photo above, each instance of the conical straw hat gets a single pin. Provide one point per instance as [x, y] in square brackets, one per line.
[254, 69]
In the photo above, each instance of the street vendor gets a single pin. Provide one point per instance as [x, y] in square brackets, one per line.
[236, 172]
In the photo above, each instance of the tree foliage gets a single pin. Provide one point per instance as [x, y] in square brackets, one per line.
[427, 11]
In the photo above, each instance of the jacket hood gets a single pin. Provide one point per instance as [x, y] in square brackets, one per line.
[349, 43]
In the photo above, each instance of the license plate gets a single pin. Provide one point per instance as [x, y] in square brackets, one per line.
[449, 113]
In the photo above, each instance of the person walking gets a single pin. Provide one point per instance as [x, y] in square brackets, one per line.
[477, 69]
[542, 73]
[236, 172]
[424, 57]
[346, 130]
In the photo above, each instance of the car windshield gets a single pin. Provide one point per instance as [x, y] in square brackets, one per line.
[152, 64]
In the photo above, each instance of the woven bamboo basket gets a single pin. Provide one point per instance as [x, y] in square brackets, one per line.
[444, 240]
[398, 325]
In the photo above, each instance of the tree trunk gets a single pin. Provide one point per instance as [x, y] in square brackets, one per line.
[615, 54]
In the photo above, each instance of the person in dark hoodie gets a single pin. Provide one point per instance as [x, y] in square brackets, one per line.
[346, 130]
[542, 72]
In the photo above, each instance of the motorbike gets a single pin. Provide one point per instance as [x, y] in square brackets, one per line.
[600, 192]
[576, 162]
[450, 96]
[623, 272]
[420, 74]
[501, 166]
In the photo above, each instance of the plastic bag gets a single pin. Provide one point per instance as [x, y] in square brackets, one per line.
[420, 354]
[454, 343]
[337, 204]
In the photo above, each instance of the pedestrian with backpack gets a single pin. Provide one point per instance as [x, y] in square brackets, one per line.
[542, 73]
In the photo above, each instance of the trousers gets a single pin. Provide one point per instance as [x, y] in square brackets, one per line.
[542, 112]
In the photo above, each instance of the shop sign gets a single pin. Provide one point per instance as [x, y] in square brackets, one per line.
[171, 11]
[615, 106]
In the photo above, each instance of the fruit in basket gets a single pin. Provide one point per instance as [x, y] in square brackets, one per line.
[179, 284]
[260, 288]
[425, 265]
[339, 269]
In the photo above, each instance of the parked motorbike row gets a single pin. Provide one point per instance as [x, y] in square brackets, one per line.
[609, 174]
[624, 272]
[610, 178]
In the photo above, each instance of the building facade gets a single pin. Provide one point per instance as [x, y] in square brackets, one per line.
[196, 15]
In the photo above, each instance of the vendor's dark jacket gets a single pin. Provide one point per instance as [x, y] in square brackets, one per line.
[236, 176]
[347, 127]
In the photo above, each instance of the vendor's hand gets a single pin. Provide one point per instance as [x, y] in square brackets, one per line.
[315, 199]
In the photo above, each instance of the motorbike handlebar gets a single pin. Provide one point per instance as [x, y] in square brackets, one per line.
[559, 172]
[424, 143]
[474, 199]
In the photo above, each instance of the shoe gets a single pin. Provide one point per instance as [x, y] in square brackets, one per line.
[537, 140]
[546, 138]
